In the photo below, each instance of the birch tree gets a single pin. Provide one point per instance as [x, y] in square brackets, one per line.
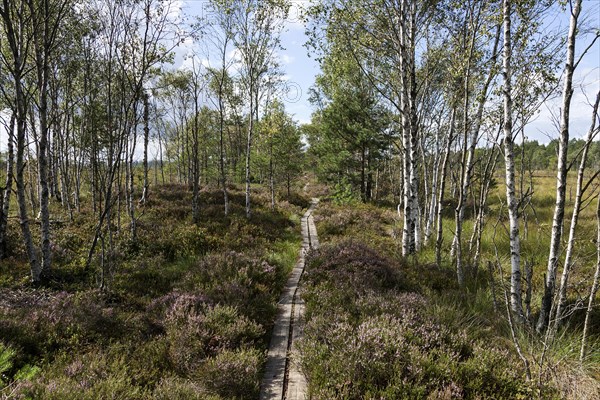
[257, 25]
[561, 173]
[579, 191]
[15, 24]
[593, 288]
[509, 157]
[220, 35]
[6, 190]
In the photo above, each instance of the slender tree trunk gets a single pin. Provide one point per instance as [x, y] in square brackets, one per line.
[271, 175]
[471, 138]
[249, 148]
[8, 183]
[440, 201]
[146, 141]
[431, 204]
[14, 26]
[593, 289]
[160, 157]
[196, 155]
[487, 178]
[221, 136]
[568, 264]
[509, 157]
[561, 175]
[34, 264]
[415, 220]
[408, 233]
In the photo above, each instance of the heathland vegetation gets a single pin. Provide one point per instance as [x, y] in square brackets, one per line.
[150, 207]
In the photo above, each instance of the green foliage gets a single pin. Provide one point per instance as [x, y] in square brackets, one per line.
[10, 375]
[351, 131]
[194, 334]
[365, 338]
[186, 315]
[234, 373]
[343, 193]
[279, 147]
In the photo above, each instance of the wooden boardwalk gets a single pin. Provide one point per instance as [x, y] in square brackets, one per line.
[283, 379]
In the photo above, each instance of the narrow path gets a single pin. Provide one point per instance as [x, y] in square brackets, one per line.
[283, 379]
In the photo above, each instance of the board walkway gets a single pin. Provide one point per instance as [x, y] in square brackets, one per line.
[283, 379]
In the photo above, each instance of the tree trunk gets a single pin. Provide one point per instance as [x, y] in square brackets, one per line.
[440, 201]
[415, 220]
[561, 175]
[8, 183]
[593, 289]
[509, 157]
[408, 233]
[248, 150]
[221, 134]
[196, 155]
[146, 141]
[431, 200]
[34, 264]
[568, 264]
[271, 174]
[487, 179]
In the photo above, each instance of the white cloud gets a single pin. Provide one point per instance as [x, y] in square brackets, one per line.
[286, 59]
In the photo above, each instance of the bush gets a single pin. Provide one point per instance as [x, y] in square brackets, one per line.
[180, 242]
[46, 322]
[234, 373]
[196, 331]
[366, 338]
[174, 388]
[95, 375]
[239, 280]
[297, 200]
[354, 266]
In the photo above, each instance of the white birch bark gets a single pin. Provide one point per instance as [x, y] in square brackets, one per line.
[408, 231]
[568, 264]
[440, 201]
[431, 214]
[8, 187]
[509, 158]
[14, 19]
[561, 175]
[593, 290]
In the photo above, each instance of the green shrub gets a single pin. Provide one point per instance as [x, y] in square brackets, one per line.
[366, 339]
[196, 331]
[94, 375]
[175, 388]
[234, 373]
[239, 280]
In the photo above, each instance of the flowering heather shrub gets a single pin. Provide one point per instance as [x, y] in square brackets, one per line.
[97, 374]
[182, 240]
[366, 339]
[353, 265]
[45, 322]
[196, 330]
[175, 388]
[236, 279]
[234, 373]
[360, 221]
[296, 199]
[175, 322]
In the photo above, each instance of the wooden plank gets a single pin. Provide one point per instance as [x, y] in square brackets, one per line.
[283, 377]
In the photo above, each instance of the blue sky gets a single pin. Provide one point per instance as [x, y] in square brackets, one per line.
[300, 71]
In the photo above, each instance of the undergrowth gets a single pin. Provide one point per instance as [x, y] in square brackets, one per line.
[381, 326]
[186, 312]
